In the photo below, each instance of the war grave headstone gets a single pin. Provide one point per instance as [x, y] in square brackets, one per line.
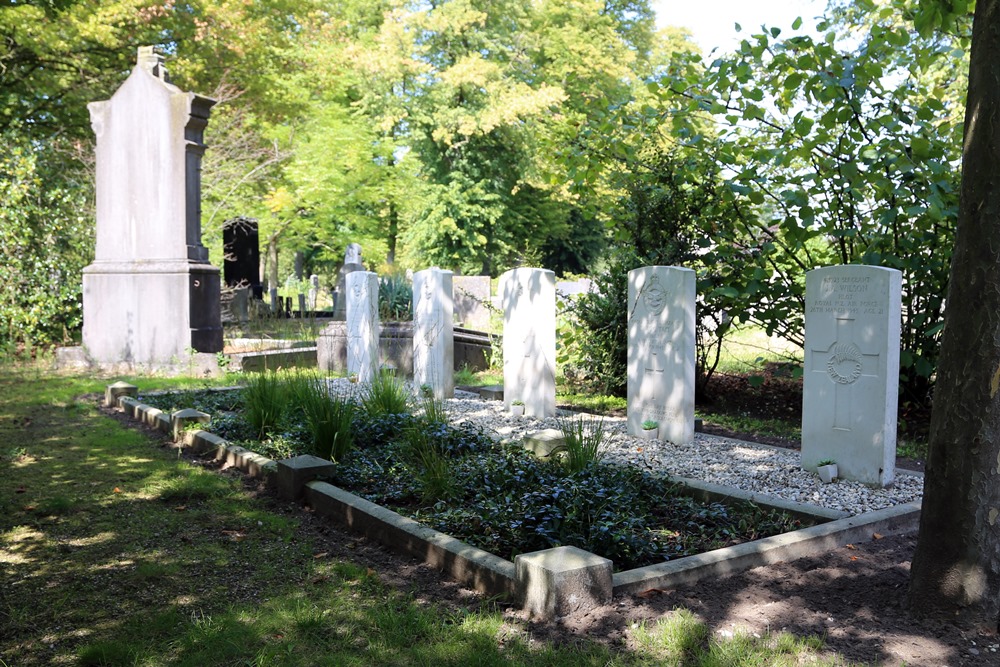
[851, 380]
[362, 325]
[661, 351]
[433, 332]
[529, 340]
[471, 294]
[150, 297]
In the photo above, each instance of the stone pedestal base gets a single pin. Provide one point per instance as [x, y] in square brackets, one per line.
[562, 581]
[150, 313]
[296, 472]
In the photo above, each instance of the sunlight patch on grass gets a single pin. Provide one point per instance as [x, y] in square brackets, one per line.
[749, 348]
[93, 540]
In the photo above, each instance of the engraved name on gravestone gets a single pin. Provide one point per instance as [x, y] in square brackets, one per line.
[150, 296]
[529, 340]
[433, 333]
[362, 325]
[851, 377]
[661, 351]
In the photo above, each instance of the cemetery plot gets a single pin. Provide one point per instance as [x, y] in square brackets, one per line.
[499, 497]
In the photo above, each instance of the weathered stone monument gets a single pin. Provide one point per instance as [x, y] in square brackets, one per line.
[529, 340]
[362, 325]
[851, 381]
[352, 263]
[661, 351]
[433, 332]
[241, 255]
[150, 298]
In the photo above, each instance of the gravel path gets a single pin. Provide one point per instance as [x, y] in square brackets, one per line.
[765, 470]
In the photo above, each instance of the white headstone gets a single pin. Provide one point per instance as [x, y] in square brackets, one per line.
[851, 382]
[313, 291]
[362, 325]
[661, 351]
[529, 340]
[433, 332]
[150, 296]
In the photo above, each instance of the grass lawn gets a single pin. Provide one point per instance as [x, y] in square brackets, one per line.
[113, 551]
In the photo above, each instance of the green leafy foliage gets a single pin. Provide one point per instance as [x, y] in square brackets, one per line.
[501, 498]
[45, 240]
[837, 155]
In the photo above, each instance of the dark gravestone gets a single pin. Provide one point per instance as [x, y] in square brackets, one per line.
[241, 250]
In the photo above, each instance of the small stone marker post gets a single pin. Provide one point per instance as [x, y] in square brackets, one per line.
[433, 332]
[362, 325]
[150, 297]
[529, 340]
[851, 378]
[313, 291]
[661, 351]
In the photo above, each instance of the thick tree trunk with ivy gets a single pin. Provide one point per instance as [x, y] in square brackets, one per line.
[956, 568]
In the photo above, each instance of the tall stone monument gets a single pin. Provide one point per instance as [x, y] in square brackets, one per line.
[851, 382]
[661, 351]
[433, 332]
[529, 340]
[352, 263]
[150, 298]
[241, 255]
[362, 325]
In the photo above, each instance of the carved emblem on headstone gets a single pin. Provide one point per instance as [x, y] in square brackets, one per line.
[845, 364]
[654, 296]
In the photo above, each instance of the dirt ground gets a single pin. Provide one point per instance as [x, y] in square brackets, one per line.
[853, 597]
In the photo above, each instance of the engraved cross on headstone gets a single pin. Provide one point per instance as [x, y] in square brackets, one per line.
[843, 362]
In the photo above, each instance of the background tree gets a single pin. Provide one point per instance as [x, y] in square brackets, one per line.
[956, 567]
[835, 152]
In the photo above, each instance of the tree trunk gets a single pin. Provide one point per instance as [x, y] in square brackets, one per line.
[956, 568]
[393, 233]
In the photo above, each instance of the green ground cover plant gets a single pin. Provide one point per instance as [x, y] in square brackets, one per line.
[461, 481]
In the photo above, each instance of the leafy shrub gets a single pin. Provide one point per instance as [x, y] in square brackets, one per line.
[385, 395]
[47, 238]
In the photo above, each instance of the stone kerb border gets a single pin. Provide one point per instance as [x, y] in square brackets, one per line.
[551, 583]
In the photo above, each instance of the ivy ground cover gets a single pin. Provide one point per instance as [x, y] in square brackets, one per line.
[491, 494]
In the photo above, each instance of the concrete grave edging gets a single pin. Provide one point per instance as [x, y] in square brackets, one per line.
[493, 575]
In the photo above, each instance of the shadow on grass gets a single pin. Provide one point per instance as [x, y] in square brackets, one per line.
[113, 552]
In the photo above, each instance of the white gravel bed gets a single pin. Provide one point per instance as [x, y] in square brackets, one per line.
[769, 471]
